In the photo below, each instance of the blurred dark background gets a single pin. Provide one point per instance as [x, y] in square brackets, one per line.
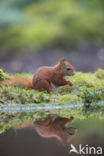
[34, 33]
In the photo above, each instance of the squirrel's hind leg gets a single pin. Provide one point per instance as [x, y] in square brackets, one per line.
[43, 85]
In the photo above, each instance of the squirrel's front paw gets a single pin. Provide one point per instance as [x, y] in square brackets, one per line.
[72, 118]
[71, 83]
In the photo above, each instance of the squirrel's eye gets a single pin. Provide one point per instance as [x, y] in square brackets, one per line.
[68, 69]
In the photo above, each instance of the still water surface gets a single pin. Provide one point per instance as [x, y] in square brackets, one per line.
[51, 136]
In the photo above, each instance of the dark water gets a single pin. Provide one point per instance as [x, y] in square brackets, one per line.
[52, 136]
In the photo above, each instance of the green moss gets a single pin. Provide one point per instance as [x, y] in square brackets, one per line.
[100, 74]
[87, 87]
[3, 75]
[73, 99]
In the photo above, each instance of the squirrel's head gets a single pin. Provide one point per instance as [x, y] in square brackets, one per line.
[66, 68]
[68, 135]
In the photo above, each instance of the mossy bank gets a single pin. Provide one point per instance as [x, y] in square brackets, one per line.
[88, 88]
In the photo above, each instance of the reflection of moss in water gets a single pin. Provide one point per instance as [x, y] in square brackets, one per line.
[15, 119]
[88, 88]
[12, 119]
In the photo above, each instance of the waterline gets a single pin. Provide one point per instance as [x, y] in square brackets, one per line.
[28, 108]
[51, 107]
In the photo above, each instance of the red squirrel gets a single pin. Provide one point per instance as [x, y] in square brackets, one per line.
[53, 127]
[45, 77]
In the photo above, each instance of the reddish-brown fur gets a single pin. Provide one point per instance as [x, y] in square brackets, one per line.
[53, 127]
[18, 81]
[45, 77]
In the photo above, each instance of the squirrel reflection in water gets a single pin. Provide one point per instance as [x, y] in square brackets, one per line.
[54, 127]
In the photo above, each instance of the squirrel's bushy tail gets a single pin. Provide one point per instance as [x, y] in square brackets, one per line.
[18, 81]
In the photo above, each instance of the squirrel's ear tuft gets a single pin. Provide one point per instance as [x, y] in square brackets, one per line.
[62, 60]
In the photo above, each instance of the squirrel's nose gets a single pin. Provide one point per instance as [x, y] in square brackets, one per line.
[73, 73]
